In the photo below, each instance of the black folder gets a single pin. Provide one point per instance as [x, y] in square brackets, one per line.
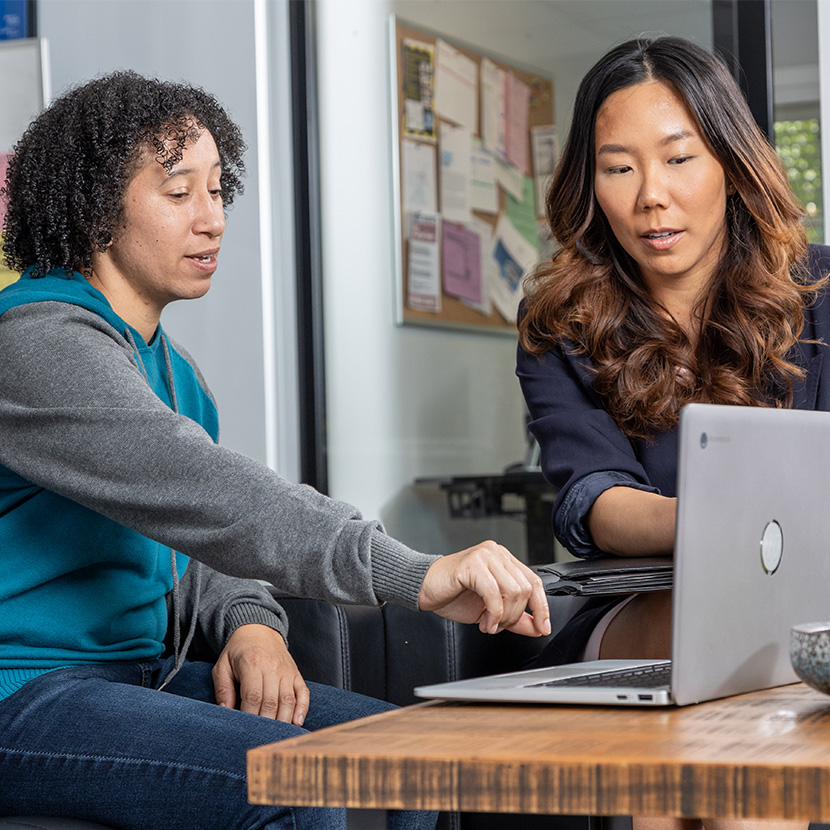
[609, 575]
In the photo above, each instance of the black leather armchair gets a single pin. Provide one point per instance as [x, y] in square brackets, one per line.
[386, 652]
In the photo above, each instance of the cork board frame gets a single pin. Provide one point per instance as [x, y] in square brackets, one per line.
[453, 311]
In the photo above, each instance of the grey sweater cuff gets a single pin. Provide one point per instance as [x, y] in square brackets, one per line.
[397, 571]
[250, 612]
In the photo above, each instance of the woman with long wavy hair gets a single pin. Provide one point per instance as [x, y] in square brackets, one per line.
[683, 275]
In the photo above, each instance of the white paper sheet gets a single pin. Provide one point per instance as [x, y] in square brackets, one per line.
[424, 271]
[510, 179]
[484, 194]
[493, 108]
[547, 245]
[455, 147]
[489, 266]
[518, 113]
[418, 184]
[545, 155]
[456, 86]
[514, 257]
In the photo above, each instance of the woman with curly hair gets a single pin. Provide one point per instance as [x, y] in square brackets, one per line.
[115, 497]
[683, 275]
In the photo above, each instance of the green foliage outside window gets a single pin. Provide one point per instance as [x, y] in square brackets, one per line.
[799, 145]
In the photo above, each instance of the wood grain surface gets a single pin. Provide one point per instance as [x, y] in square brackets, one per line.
[764, 754]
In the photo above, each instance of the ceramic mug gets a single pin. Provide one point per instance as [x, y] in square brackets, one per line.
[810, 654]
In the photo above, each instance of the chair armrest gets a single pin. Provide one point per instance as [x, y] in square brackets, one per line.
[339, 645]
[423, 648]
[386, 652]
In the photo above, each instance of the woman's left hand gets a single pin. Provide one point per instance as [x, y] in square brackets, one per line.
[256, 661]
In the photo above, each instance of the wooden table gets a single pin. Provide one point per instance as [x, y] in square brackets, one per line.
[765, 754]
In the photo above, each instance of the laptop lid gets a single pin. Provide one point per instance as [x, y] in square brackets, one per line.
[750, 561]
[751, 549]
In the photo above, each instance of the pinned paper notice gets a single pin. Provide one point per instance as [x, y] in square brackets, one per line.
[424, 272]
[545, 155]
[461, 254]
[455, 147]
[456, 86]
[484, 196]
[518, 112]
[515, 257]
[419, 190]
[511, 180]
[493, 108]
[522, 212]
[489, 268]
[418, 89]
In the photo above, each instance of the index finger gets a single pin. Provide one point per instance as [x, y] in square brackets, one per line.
[530, 597]
[538, 604]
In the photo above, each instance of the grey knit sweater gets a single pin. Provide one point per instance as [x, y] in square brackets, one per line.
[78, 418]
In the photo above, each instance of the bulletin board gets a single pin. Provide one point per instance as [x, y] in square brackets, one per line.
[474, 149]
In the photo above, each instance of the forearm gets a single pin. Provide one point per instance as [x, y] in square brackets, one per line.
[628, 522]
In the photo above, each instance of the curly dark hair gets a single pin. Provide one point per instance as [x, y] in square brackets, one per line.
[67, 175]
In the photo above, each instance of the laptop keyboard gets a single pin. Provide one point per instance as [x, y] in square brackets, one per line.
[646, 677]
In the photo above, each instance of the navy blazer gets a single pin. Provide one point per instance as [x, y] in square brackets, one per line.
[583, 450]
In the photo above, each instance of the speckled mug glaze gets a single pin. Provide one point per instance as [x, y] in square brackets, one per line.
[810, 654]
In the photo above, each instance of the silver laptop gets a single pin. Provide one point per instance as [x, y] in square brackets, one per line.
[752, 558]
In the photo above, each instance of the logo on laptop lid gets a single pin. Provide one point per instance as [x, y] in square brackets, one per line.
[772, 547]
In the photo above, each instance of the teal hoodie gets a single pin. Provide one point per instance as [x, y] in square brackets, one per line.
[87, 431]
[78, 587]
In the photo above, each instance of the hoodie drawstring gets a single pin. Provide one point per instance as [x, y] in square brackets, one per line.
[179, 651]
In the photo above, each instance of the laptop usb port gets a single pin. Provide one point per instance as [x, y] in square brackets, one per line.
[645, 697]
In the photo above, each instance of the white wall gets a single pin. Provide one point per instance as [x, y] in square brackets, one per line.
[405, 402]
[212, 43]
[402, 402]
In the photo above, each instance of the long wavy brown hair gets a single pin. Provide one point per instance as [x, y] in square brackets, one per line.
[591, 299]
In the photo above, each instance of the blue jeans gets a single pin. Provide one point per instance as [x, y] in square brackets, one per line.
[101, 743]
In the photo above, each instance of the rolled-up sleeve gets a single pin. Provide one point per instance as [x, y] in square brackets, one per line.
[570, 519]
[583, 451]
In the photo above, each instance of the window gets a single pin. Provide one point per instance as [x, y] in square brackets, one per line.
[796, 122]
[798, 142]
